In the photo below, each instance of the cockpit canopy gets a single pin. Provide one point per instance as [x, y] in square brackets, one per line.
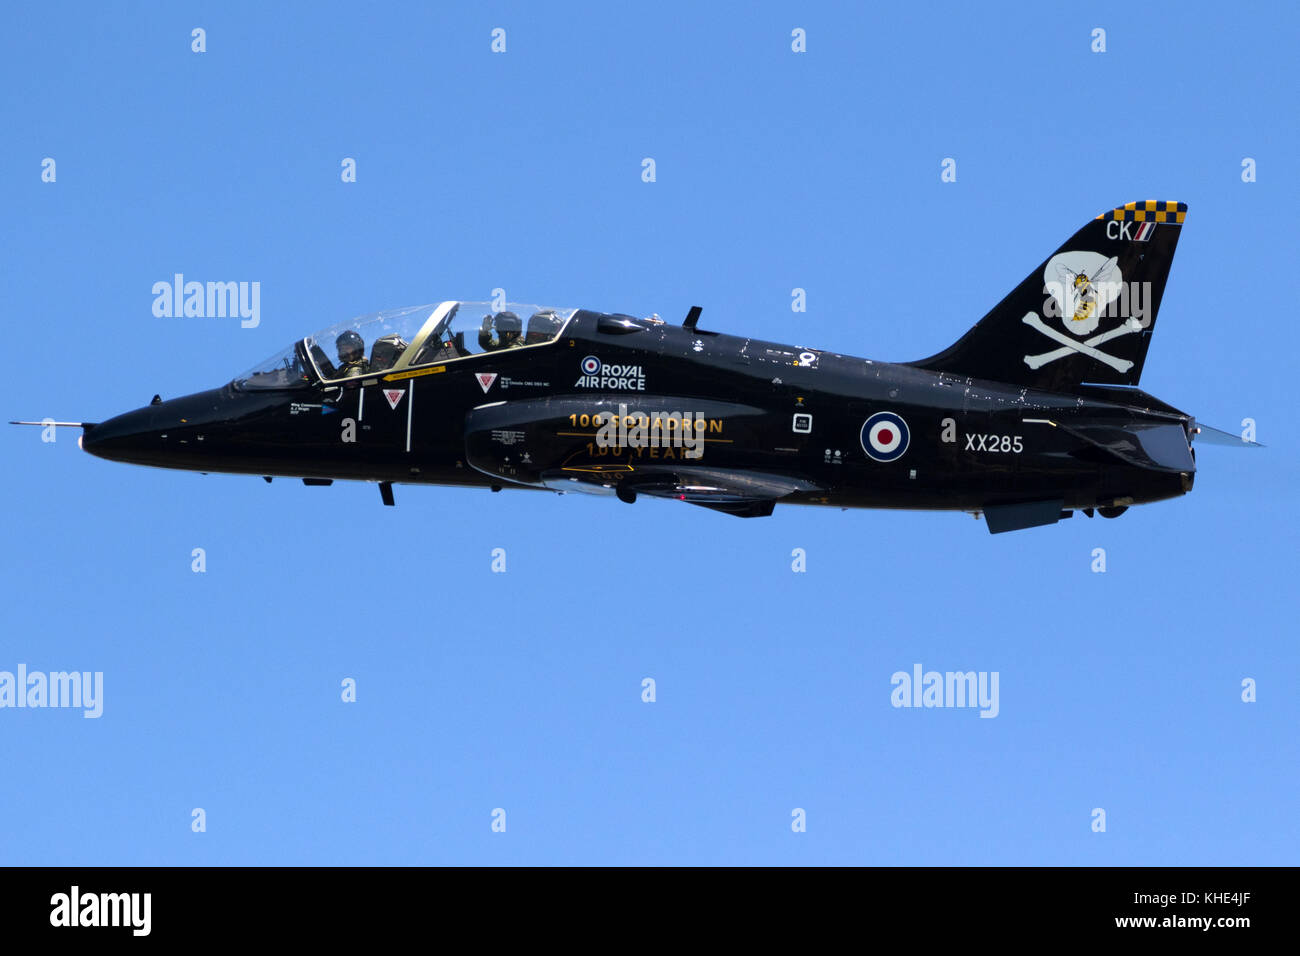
[399, 339]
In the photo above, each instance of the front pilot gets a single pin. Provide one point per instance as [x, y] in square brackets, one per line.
[352, 355]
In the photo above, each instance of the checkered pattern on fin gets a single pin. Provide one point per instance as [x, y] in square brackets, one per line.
[1149, 210]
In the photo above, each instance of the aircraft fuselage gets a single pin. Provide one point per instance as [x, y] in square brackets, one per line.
[766, 408]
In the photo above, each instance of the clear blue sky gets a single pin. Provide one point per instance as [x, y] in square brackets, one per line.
[522, 170]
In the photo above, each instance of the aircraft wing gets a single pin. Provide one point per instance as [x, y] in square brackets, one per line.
[747, 494]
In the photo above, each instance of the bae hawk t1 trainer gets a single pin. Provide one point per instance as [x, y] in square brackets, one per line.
[1032, 415]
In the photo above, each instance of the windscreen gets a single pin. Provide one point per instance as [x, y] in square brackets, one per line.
[281, 370]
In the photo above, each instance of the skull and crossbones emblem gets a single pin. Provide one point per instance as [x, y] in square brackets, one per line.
[1082, 284]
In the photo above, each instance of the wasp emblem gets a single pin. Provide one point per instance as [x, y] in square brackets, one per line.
[1081, 288]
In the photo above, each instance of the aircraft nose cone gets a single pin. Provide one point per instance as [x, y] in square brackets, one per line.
[169, 434]
[123, 438]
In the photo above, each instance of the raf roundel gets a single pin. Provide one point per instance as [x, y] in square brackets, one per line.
[590, 365]
[885, 436]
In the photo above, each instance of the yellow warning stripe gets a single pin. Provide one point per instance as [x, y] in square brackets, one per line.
[415, 373]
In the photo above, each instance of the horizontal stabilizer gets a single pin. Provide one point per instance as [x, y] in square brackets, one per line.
[1158, 446]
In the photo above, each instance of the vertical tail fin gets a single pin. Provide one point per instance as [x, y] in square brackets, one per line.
[1086, 314]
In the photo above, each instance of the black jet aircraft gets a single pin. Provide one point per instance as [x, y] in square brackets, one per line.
[1033, 414]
